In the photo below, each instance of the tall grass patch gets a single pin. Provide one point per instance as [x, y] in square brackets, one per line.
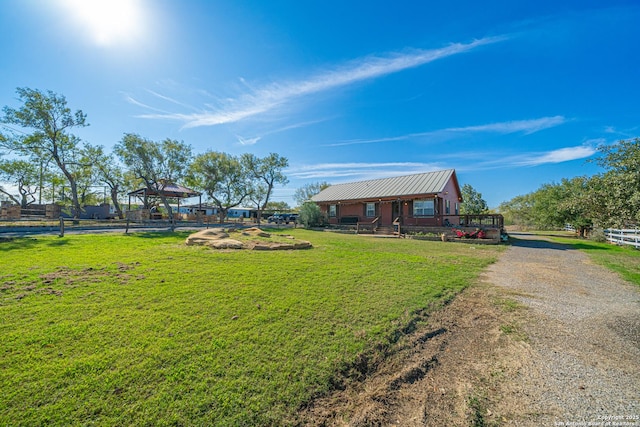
[142, 329]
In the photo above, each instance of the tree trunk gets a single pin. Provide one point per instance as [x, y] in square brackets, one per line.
[74, 195]
[24, 201]
[167, 206]
[72, 184]
[116, 204]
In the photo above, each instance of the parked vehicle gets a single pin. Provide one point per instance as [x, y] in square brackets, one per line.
[282, 218]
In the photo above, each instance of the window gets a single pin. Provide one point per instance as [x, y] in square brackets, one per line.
[457, 208]
[423, 208]
[447, 207]
[333, 211]
[370, 211]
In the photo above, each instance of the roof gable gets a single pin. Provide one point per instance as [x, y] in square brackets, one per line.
[408, 185]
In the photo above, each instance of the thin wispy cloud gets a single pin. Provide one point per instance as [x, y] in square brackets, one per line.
[171, 100]
[337, 172]
[559, 156]
[265, 99]
[247, 141]
[626, 133]
[525, 126]
[133, 101]
[352, 171]
[253, 140]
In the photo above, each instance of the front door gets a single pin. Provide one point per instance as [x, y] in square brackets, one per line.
[396, 210]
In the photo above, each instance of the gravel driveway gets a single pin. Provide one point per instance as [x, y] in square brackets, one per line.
[583, 328]
[546, 338]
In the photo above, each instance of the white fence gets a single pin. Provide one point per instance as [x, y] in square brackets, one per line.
[623, 237]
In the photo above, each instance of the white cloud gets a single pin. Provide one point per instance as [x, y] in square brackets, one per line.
[494, 161]
[171, 100]
[133, 101]
[360, 171]
[253, 140]
[247, 141]
[262, 100]
[525, 126]
[559, 156]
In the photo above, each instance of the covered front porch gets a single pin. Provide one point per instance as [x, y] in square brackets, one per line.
[431, 211]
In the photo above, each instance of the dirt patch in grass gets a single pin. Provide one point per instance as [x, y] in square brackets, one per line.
[62, 279]
[446, 373]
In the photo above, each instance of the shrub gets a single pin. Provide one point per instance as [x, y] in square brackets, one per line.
[310, 215]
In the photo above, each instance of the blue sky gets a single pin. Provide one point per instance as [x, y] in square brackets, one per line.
[511, 94]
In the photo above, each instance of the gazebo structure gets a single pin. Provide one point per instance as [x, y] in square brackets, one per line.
[173, 191]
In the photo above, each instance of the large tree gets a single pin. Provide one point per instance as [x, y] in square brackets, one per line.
[24, 176]
[45, 122]
[109, 173]
[156, 164]
[619, 187]
[473, 203]
[222, 177]
[278, 206]
[304, 193]
[265, 173]
[554, 206]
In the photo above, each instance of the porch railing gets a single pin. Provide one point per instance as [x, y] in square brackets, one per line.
[397, 226]
[363, 227]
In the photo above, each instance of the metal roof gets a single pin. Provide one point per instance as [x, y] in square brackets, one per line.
[408, 185]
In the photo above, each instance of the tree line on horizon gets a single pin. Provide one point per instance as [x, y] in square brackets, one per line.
[46, 150]
[610, 199]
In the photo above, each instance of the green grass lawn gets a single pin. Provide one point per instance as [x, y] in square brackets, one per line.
[141, 329]
[625, 260]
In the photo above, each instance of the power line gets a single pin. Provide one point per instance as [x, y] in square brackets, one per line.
[12, 129]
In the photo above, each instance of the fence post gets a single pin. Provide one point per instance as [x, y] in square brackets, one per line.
[126, 230]
[61, 227]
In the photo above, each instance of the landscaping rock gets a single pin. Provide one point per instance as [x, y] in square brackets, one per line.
[255, 231]
[221, 239]
[204, 236]
[226, 244]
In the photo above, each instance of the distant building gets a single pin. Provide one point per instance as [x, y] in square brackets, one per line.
[208, 210]
[426, 199]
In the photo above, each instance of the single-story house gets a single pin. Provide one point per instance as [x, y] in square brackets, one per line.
[425, 199]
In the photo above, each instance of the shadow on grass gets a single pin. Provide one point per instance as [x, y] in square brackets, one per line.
[539, 244]
[532, 242]
[20, 243]
[59, 242]
[590, 246]
[12, 243]
[157, 234]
